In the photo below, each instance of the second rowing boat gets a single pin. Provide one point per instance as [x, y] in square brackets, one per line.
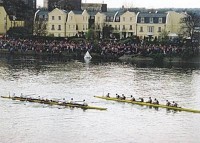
[149, 104]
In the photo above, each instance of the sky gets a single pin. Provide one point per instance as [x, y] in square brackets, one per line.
[144, 3]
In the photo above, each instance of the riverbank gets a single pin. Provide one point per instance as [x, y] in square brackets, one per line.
[166, 60]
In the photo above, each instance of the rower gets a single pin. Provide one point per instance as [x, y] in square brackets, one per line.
[108, 95]
[132, 98]
[174, 104]
[21, 95]
[84, 103]
[117, 96]
[72, 101]
[141, 99]
[168, 103]
[155, 101]
[62, 101]
[123, 97]
[150, 100]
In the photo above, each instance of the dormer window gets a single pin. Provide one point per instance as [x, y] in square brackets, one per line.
[117, 19]
[151, 20]
[160, 20]
[142, 19]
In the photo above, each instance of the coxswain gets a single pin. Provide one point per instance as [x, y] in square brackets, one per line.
[117, 96]
[132, 98]
[108, 95]
[141, 99]
[123, 97]
[84, 103]
[150, 100]
[168, 103]
[155, 101]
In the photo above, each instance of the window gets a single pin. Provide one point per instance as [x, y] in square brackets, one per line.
[151, 19]
[52, 27]
[131, 28]
[117, 19]
[160, 20]
[59, 27]
[150, 29]
[59, 17]
[52, 17]
[98, 18]
[141, 29]
[111, 19]
[83, 27]
[142, 19]
[159, 29]
[131, 18]
[123, 27]
[119, 27]
[115, 27]
[124, 19]
[71, 17]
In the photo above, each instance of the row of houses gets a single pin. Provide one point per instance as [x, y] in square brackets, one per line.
[62, 23]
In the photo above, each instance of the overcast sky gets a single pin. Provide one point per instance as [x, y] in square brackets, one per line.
[144, 3]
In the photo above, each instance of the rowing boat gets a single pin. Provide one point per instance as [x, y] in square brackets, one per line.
[149, 104]
[53, 102]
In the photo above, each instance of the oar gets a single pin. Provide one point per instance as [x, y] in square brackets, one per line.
[28, 94]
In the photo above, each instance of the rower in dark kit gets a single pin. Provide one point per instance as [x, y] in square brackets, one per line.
[132, 98]
[141, 99]
[168, 103]
[150, 100]
[117, 96]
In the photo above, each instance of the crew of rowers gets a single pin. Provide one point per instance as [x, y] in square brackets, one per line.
[62, 101]
[155, 101]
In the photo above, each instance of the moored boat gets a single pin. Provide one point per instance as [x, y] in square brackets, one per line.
[53, 102]
[149, 104]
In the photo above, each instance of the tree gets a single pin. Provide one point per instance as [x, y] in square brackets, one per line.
[164, 36]
[107, 31]
[40, 28]
[189, 23]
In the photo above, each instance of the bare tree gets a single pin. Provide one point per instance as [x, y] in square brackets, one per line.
[189, 24]
[40, 28]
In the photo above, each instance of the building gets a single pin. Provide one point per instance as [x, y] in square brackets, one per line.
[62, 23]
[94, 7]
[45, 3]
[63, 4]
[124, 24]
[7, 21]
[154, 24]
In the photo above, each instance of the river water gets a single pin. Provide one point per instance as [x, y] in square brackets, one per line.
[22, 122]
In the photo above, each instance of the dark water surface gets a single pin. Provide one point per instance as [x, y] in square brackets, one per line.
[22, 122]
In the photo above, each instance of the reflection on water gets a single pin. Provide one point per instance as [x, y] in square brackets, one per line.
[122, 122]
